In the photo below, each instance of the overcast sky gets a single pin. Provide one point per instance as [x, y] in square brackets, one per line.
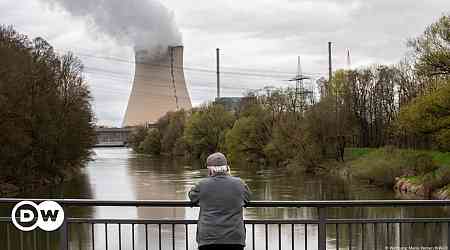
[256, 38]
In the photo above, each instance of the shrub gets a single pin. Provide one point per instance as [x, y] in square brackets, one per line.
[245, 142]
[166, 138]
[292, 142]
[428, 115]
[437, 178]
[136, 137]
[152, 143]
[206, 129]
[418, 163]
[171, 127]
[380, 167]
[383, 165]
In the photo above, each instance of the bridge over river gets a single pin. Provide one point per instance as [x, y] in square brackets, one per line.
[112, 137]
[170, 233]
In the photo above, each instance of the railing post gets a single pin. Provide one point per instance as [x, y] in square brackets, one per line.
[448, 235]
[322, 231]
[64, 234]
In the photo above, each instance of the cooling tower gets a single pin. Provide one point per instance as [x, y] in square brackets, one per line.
[158, 87]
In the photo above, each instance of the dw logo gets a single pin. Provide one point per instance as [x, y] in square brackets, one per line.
[48, 215]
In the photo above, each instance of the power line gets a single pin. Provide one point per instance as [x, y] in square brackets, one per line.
[235, 76]
[250, 72]
[155, 82]
[155, 79]
[143, 77]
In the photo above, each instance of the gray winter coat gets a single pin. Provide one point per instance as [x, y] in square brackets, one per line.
[221, 199]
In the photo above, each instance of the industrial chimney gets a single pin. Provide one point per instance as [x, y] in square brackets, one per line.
[158, 87]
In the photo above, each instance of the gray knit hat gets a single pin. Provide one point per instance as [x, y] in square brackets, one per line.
[216, 159]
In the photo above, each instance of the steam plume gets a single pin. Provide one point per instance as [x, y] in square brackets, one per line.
[145, 24]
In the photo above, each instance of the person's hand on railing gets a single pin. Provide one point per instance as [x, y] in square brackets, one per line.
[194, 195]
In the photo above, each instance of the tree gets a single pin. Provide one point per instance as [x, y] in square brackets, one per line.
[432, 48]
[138, 135]
[47, 121]
[246, 141]
[293, 143]
[206, 129]
[171, 128]
[367, 104]
[429, 115]
[152, 143]
[321, 124]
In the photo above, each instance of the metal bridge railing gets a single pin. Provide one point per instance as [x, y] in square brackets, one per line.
[168, 235]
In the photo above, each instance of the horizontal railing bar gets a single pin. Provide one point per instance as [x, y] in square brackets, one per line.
[130, 221]
[387, 220]
[254, 221]
[182, 221]
[272, 221]
[184, 203]
[175, 221]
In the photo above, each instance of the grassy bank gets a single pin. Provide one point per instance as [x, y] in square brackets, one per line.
[440, 158]
[419, 172]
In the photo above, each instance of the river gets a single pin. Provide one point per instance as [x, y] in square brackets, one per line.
[120, 174]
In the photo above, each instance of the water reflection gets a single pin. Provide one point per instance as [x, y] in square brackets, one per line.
[119, 174]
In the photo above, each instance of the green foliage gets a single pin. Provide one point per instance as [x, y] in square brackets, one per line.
[338, 82]
[206, 129]
[359, 152]
[166, 138]
[46, 120]
[180, 133]
[171, 128]
[152, 143]
[289, 126]
[433, 48]
[436, 179]
[418, 162]
[321, 125]
[247, 139]
[136, 137]
[441, 158]
[429, 115]
[277, 130]
[293, 144]
[365, 104]
[383, 165]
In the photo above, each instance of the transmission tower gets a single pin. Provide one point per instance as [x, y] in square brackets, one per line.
[302, 95]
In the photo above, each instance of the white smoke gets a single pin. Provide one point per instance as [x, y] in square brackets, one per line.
[147, 25]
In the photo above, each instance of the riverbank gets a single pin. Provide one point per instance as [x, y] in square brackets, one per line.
[411, 173]
[9, 188]
[47, 133]
[121, 174]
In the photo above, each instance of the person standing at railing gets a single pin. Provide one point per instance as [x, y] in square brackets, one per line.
[221, 198]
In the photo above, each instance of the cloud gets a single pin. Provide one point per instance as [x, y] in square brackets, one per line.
[145, 25]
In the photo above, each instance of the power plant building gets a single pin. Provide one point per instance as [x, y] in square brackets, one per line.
[158, 87]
